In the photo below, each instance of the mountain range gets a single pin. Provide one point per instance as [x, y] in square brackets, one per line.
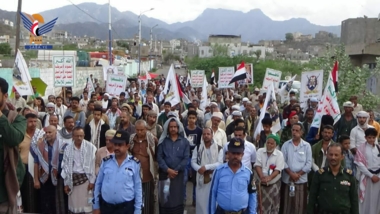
[91, 19]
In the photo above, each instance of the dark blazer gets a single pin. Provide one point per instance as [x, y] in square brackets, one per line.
[87, 134]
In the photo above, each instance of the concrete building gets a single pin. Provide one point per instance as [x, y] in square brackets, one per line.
[192, 50]
[361, 37]
[205, 52]
[227, 40]
[175, 44]
[4, 39]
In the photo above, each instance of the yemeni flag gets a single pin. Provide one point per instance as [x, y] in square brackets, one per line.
[213, 78]
[334, 74]
[240, 74]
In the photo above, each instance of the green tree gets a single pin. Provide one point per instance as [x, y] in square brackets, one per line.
[352, 80]
[5, 49]
[122, 44]
[289, 37]
[258, 53]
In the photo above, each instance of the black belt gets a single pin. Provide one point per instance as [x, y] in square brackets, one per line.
[105, 204]
[230, 212]
[374, 172]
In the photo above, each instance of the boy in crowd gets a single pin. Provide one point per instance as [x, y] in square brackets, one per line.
[344, 140]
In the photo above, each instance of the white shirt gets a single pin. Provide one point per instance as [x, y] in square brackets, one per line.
[249, 156]
[372, 158]
[276, 159]
[78, 165]
[220, 137]
[357, 136]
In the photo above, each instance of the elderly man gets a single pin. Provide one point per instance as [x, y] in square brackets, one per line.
[357, 136]
[78, 172]
[205, 158]
[268, 167]
[50, 108]
[172, 157]
[42, 150]
[152, 125]
[219, 134]
[298, 161]
[105, 150]
[143, 146]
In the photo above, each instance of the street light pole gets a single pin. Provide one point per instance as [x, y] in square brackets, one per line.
[141, 13]
[151, 46]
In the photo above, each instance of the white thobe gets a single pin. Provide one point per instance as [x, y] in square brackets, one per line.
[202, 189]
[371, 203]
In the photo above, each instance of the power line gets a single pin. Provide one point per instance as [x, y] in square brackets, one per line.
[94, 17]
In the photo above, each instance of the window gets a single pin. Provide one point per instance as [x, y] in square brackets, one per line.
[202, 52]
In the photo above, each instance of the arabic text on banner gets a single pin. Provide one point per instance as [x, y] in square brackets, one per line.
[225, 76]
[328, 105]
[311, 86]
[272, 75]
[197, 77]
[64, 69]
[116, 84]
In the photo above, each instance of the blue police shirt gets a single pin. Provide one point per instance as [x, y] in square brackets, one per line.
[230, 190]
[118, 184]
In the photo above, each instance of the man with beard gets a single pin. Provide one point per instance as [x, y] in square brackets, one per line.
[357, 136]
[64, 138]
[113, 113]
[76, 112]
[118, 172]
[347, 121]
[149, 100]
[78, 172]
[152, 126]
[319, 150]
[333, 177]
[12, 131]
[143, 146]
[50, 111]
[172, 157]
[95, 131]
[205, 158]
[164, 115]
[125, 124]
[232, 184]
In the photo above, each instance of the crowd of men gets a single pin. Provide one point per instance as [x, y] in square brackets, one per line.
[99, 154]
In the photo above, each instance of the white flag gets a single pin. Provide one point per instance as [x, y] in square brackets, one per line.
[22, 81]
[328, 104]
[171, 88]
[204, 101]
[263, 110]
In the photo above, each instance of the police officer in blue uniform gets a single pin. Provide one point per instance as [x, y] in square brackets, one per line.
[233, 187]
[118, 185]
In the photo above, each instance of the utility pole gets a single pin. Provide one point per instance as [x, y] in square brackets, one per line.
[141, 13]
[18, 29]
[109, 33]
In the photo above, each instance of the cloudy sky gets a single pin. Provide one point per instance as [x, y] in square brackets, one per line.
[322, 12]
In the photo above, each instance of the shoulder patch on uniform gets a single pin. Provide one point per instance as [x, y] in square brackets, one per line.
[348, 171]
[107, 158]
[134, 159]
[321, 171]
